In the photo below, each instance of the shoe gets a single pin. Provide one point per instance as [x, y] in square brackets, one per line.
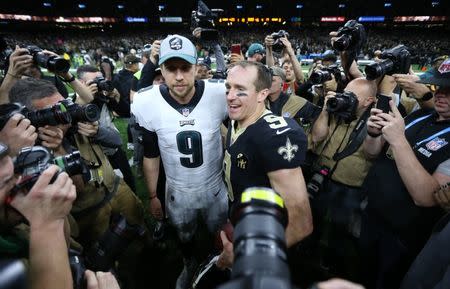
[130, 146]
[159, 231]
[185, 279]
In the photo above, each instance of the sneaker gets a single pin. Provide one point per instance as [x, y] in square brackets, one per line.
[130, 146]
[185, 279]
[158, 232]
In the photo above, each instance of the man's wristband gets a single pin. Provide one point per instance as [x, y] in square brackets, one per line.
[374, 135]
[426, 96]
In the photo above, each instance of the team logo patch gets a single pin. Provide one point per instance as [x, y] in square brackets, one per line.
[287, 114]
[445, 66]
[185, 112]
[241, 161]
[187, 122]
[176, 43]
[288, 151]
[436, 144]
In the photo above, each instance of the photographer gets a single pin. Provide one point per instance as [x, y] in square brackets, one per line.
[401, 205]
[122, 82]
[107, 135]
[45, 206]
[101, 196]
[292, 106]
[339, 171]
[292, 67]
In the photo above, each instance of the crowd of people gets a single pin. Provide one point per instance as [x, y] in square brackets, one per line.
[360, 163]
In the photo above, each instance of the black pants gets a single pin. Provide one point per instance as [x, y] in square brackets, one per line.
[119, 161]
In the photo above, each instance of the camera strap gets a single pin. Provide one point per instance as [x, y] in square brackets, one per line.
[356, 138]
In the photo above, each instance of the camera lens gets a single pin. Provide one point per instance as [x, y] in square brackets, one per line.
[71, 163]
[259, 241]
[49, 116]
[87, 113]
[320, 76]
[337, 104]
[58, 64]
[342, 43]
[376, 70]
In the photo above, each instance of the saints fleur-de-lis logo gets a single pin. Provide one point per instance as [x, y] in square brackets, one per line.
[288, 151]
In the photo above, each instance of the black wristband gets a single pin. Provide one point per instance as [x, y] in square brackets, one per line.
[427, 96]
[374, 135]
[68, 80]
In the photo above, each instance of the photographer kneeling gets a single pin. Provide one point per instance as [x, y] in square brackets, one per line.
[338, 173]
[45, 207]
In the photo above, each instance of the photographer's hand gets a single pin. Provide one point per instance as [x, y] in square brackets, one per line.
[47, 203]
[154, 54]
[18, 133]
[88, 129]
[393, 126]
[226, 258]
[373, 125]
[100, 280]
[408, 82]
[268, 41]
[45, 207]
[338, 284]
[52, 137]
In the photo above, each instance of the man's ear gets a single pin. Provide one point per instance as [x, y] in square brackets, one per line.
[262, 95]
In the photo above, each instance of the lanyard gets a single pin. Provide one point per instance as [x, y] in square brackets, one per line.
[428, 138]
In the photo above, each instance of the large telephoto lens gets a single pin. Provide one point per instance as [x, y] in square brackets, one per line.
[377, 69]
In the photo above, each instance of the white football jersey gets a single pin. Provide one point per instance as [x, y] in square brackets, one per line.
[189, 136]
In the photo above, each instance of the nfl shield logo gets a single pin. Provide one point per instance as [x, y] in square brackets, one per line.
[287, 114]
[436, 144]
[185, 112]
[445, 67]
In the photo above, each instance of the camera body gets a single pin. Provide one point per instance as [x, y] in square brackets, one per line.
[53, 63]
[343, 105]
[260, 219]
[324, 74]
[277, 44]
[104, 86]
[394, 60]
[350, 37]
[204, 18]
[33, 161]
[64, 112]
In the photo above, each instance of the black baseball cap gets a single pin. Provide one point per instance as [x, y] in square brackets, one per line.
[439, 77]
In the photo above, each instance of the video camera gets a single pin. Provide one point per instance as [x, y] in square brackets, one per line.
[277, 44]
[204, 18]
[343, 105]
[32, 161]
[53, 63]
[325, 74]
[260, 219]
[394, 60]
[350, 37]
[64, 112]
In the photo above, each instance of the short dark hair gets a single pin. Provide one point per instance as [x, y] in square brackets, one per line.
[263, 77]
[28, 89]
[85, 69]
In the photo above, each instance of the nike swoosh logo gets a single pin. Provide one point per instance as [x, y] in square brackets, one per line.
[283, 131]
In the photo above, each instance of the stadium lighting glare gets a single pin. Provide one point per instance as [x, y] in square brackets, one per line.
[387, 4]
[299, 6]
[120, 6]
[239, 6]
[161, 7]
[258, 6]
[341, 6]
[47, 4]
[81, 5]
[435, 4]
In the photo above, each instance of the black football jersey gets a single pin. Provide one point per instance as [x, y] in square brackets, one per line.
[271, 143]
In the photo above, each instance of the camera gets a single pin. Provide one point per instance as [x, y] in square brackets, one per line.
[325, 74]
[343, 105]
[103, 84]
[204, 18]
[53, 63]
[315, 185]
[277, 44]
[32, 161]
[64, 112]
[350, 37]
[104, 253]
[260, 219]
[394, 60]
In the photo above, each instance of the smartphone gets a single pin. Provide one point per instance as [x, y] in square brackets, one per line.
[383, 103]
[236, 48]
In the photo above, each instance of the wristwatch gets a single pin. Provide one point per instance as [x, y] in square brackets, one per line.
[427, 96]
[68, 80]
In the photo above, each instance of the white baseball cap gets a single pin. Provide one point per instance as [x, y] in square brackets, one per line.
[177, 46]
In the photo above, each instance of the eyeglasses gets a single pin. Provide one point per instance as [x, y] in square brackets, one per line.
[432, 87]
